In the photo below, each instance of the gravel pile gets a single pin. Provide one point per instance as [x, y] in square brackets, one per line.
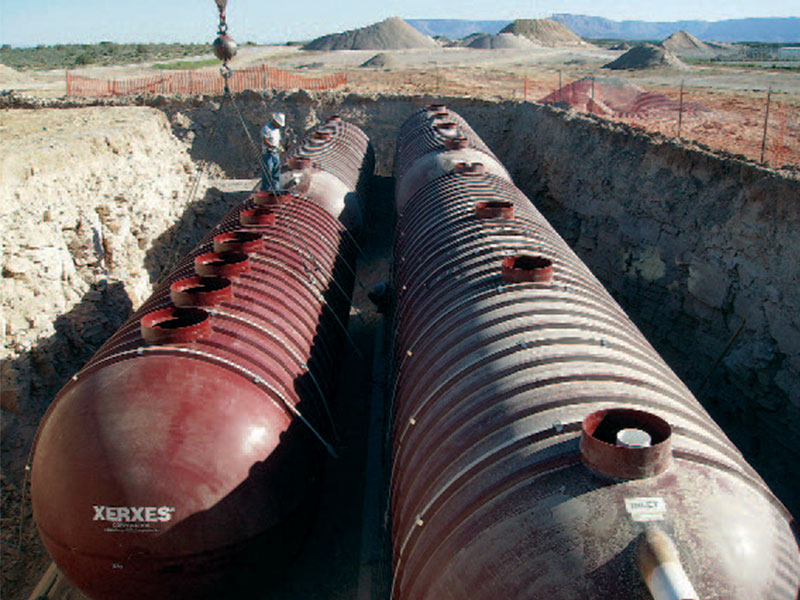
[646, 56]
[501, 41]
[684, 44]
[382, 60]
[391, 34]
[545, 32]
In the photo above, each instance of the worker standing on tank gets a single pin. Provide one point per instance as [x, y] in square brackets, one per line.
[270, 151]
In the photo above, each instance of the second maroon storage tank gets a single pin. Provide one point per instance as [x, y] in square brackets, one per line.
[542, 449]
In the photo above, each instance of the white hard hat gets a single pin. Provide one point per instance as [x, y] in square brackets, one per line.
[279, 118]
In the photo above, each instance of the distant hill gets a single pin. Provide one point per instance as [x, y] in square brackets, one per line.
[733, 30]
[785, 29]
[391, 34]
[455, 28]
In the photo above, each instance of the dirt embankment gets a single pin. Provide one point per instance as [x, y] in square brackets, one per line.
[89, 202]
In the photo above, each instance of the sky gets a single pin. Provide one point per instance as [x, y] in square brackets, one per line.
[32, 22]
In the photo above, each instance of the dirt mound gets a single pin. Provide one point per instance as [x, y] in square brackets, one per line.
[391, 34]
[9, 76]
[544, 31]
[646, 56]
[683, 43]
[501, 41]
[380, 61]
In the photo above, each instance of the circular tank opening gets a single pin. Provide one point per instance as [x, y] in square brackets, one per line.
[270, 198]
[238, 241]
[221, 264]
[626, 443]
[200, 291]
[448, 128]
[465, 168]
[527, 267]
[257, 216]
[298, 163]
[436, 107]
[333, 119]
[494, 209]
[456, 143]
[175, 325]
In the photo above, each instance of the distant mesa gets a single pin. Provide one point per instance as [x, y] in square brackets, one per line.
[544, 32]
[778, 29]
[646, 56]
[391, 34]
[500, 41]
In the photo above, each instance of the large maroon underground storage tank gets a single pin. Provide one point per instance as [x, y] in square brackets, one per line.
[185, 452]
[541, 448]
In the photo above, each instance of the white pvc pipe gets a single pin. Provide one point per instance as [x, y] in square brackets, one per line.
[661, 569]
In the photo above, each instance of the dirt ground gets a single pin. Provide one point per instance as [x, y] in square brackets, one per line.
[736, 97]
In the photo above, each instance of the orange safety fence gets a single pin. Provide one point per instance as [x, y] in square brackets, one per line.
[261, 77]
[737, 123]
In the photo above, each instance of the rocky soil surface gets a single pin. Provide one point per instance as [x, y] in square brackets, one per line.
[88, 207]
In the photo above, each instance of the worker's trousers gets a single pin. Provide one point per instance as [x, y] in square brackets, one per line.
[270, 171]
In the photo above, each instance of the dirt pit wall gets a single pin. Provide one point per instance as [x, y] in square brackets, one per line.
[94, 202]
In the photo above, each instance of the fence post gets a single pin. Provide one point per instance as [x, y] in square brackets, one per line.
[777, 154]
[525, 88]
[69, 82]
[766, 120]
[560, 93]
[680, 111]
